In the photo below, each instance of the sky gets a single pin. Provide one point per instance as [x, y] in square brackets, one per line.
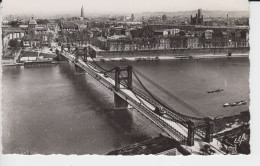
[118, 6]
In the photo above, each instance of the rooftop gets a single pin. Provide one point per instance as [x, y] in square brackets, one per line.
[32, 22]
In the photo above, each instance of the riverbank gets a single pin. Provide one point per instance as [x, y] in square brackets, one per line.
[10, 62]
[235, 141]
[227, 123]
[167, 57]
[174, 52]
[28, 56]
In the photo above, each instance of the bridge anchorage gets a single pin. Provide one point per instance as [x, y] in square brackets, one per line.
[187, 130]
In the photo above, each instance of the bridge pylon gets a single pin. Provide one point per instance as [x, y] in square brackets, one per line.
[208, 127]
[209, 130]
[119, 102]
[91, 52]
[119, 78]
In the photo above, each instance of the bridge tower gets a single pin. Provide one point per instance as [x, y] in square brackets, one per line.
[208, 125]
[128, 78]
[91, 52]
[119, 102]
[79, 54]
[209, 130]
[59, 56]
[85, 54]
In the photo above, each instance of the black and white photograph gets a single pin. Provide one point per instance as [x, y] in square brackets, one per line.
[125, 77]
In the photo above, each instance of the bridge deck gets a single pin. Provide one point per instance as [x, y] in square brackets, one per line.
[175, 130]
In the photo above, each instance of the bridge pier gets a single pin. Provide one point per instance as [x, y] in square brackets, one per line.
[78, 69]
[191, 133]
[119, 103]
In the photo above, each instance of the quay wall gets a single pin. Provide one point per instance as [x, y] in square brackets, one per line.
[175, 52]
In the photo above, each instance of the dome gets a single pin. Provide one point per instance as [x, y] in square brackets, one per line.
[32, 21]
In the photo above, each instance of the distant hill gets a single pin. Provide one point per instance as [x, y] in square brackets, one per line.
[206, 13]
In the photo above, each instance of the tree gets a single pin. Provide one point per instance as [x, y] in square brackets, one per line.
[42, 21]
[244, 34]
[164, 18]
[31, 32]
[147, 32]
[182, 33]
[14, 23]
[177, 41]
[13, 43]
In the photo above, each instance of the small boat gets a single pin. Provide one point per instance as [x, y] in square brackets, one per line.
[184, 58]
[238, 103]
[226, 104]
[243, 102]
[216, 91]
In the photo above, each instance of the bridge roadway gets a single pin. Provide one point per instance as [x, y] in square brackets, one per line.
[177, 131]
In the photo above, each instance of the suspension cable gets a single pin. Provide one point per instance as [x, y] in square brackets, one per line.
[158, 102]
[102, 67]
[175, 98]
[164, 104]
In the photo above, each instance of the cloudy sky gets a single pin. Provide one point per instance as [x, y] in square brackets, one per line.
[118, 6]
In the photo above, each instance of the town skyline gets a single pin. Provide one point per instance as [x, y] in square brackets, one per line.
[49, 7]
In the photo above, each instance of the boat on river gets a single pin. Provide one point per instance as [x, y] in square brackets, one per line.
[147, 59]
[243, 102]
[216, 91]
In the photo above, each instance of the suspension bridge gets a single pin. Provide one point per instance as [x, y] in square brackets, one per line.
[128, 85]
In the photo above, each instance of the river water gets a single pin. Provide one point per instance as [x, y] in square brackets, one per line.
[52, 109]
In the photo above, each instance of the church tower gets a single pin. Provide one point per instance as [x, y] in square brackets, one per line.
[82, 12]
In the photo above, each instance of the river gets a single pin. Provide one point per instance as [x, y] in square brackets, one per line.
[53, 110]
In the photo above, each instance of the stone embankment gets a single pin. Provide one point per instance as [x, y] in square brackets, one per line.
[175, 52]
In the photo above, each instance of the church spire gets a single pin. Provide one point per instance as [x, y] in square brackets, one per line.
[82, 12]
